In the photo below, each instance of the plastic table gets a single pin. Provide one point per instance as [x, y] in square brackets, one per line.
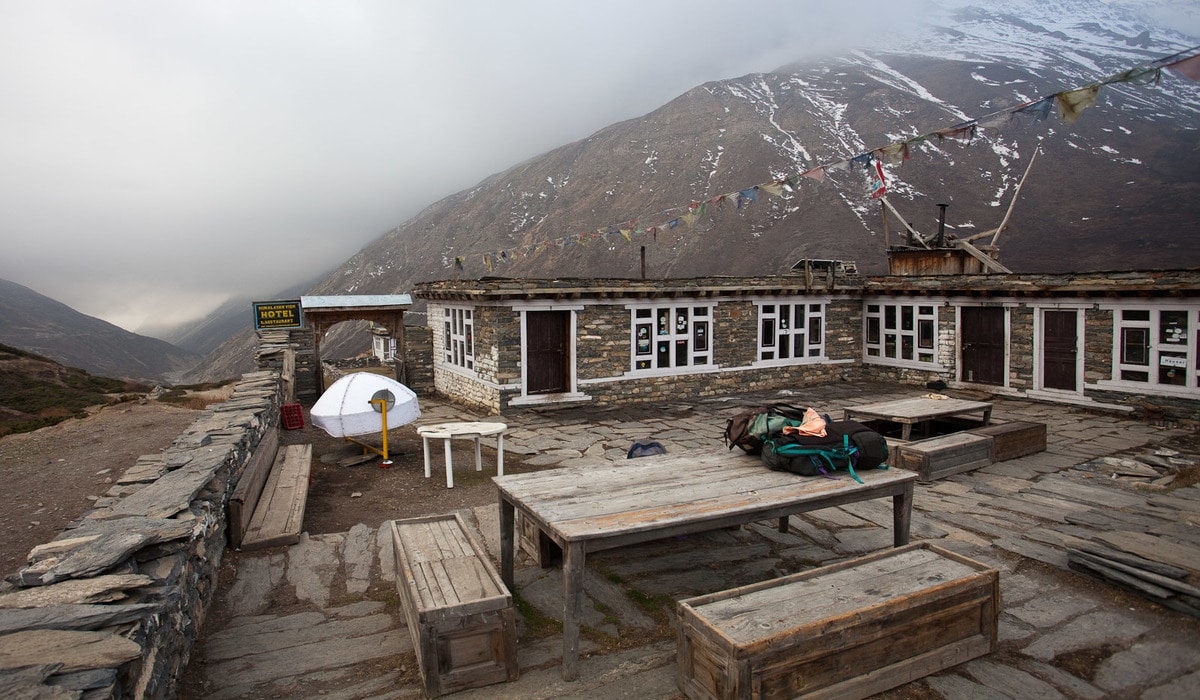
[463, 431]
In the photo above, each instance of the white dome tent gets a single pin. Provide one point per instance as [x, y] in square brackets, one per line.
[363, 403]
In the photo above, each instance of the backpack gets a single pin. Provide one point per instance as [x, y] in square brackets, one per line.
[748, 428]
[848, 445]
[642, 448]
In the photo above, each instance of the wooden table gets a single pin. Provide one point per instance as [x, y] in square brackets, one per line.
[589, 509]
[463, 431]
[908, 412]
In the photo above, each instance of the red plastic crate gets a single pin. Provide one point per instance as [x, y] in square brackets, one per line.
[293, 416]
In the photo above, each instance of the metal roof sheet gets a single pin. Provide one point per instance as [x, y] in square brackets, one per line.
[355, 300]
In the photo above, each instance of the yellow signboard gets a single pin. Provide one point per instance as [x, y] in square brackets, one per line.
[277, 314]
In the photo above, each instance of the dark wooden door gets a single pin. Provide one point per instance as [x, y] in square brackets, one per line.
[982, 336]
[547, 351]
[1059, 341]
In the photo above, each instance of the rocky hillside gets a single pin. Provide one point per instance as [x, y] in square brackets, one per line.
[41, 325]
[36, 392]
[696, 182]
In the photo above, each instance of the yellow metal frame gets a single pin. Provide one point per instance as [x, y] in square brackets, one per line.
[384, 452]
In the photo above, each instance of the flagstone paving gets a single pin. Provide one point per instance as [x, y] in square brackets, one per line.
[1063, 634]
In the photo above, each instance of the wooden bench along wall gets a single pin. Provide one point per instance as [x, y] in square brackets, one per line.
[279, 515]
[459, 612]
[848, 630]
[250, 485]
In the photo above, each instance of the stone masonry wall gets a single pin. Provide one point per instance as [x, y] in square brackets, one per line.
[119, 597]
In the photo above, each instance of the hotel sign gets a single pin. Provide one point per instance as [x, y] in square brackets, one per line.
[277, 314]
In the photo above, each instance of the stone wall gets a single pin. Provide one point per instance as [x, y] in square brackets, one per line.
[119, 597]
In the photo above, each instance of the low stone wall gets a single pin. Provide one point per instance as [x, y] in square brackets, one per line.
[113, 605]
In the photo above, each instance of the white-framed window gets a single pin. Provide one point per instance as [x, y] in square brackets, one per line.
[904, 332]
[671, 337]
[458, 337]
[791, 330]
[1157, 347]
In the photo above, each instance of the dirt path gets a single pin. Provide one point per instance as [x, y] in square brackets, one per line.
[52, 476]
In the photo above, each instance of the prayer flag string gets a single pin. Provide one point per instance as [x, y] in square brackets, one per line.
[1068, 104]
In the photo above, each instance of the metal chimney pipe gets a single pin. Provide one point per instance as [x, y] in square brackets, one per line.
[941, 238]
[643, 262]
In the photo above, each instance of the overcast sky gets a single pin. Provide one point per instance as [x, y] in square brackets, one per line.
[158, 157]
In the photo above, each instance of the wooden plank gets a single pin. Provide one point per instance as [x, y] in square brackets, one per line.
[250, 485]
[279, 517]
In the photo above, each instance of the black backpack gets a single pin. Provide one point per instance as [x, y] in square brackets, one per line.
[847, 445]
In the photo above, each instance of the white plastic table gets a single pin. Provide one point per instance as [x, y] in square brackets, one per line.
[460, 431]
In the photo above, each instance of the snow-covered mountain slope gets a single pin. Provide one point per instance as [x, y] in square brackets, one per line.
[696, 181]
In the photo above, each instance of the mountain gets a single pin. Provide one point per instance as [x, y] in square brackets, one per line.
[1118, 188]
[41, 325]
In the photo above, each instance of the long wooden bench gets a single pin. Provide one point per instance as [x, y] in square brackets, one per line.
[459, 612]
[847, 630]
[267, 506]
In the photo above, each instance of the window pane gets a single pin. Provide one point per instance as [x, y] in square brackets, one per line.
[785, 312]
[814, 332]
[925, 333]
[906, 318]
[1172, 368]
[889, 345]
[925, 310]
[643, 339]
[1135, 376]
[701, 336]
[906, 347]
[664, 321]
[1135, 346]
[664, 354]
[799, 316]
[768, 333]
[798, 341]
[889, 317]
[872, 308]
[873, 331]
[681, 353]
[1172, 327]
[1135, 315]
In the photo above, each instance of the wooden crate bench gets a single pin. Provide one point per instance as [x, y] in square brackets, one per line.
[459, 612]
[1013, 440]
[278, 517]
[945, 455]
[848, 630]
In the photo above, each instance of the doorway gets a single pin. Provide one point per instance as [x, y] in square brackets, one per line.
[1060, 339]
[547, 352]
[983, 345]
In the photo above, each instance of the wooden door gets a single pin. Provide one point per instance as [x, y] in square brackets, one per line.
[982, 337]
[547, 352]
[1059, 349]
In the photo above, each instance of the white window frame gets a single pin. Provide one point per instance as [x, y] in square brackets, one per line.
[1160, 349]
[696, 335]
[776, 335]
[458, 337]
[880, 345]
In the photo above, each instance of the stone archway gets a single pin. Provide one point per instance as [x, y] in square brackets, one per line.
[323, 312]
